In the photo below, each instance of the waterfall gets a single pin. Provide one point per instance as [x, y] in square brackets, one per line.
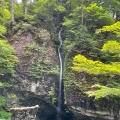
[59, 106]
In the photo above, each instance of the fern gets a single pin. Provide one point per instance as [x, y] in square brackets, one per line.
[103, 92]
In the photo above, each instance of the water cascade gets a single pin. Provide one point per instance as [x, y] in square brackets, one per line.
[59, 106]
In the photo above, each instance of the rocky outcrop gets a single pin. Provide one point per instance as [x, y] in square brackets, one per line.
[85, 108]
[36, 72]
[24, 113]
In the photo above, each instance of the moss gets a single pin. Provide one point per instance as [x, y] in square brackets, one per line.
[54, 100]
[53, 96]
[11, 109]
[43, 66]
[29, 50]
[14, 96]
[34, 47]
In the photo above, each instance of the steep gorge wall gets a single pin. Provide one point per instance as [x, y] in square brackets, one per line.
[84, 107]
[36, 78]
[36, 72]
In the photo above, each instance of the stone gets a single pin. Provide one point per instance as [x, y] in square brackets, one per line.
[24, 113]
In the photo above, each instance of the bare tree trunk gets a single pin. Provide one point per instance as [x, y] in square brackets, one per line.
[24, 2]
[25, 13]
[12, 13]
[82, 20]
[117, 16]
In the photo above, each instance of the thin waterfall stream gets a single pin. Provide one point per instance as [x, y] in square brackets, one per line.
[59, 106]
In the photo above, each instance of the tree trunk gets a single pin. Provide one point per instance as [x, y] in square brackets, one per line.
[12, 13]
[82, 20]
[117, 16]
[25, 12]
[24, 2]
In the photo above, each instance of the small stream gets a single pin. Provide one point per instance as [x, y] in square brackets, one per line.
[59, 106]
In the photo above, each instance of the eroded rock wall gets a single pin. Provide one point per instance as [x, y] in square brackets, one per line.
[36, 72]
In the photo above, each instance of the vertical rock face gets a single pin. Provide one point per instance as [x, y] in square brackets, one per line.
[36, 73]
[85, 108]
[24, 113]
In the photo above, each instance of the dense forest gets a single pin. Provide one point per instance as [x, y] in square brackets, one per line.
[90, 51]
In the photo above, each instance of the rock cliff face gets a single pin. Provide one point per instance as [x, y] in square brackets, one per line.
[84, 108]
[36, 72]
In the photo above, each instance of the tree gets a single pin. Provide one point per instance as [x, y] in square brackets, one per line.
[111, 5]
[97, 16]
[82, 64]
[19, 11]
[7, 63]
[12, 13]
[3, 113]
[2, 31]
[111, 52]
[24, 2]
[114, 28]
[7, 59]
[4, 14]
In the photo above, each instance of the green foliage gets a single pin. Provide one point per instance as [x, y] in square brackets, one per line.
[48, 6]
[60, 8]
[7, 59]
[97, 16]
[77, 38]
[5, 17]
[42, 66]
[14, 96]
[82, 64]
[32, 48]
[114, 28]
[18, 11]
[3, 113]
[2, 100]
[52, 94]
[112, 47]
[111, 51]
[26, 28]
[94, 9]
[104, 20]
[100, 91]
[4, 84]
[2, 31]
[111, 87]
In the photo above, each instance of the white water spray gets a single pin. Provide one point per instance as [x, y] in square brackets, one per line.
[59, 107]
